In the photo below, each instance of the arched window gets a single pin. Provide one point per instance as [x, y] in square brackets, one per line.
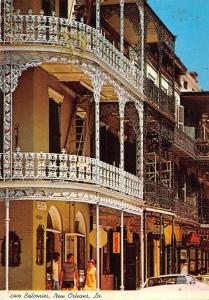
[14, 250]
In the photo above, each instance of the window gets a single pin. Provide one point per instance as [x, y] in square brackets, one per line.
[185, 84]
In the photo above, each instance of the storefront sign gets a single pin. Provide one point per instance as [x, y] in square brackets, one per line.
[192, 238]
[116, 242]
[102, 238]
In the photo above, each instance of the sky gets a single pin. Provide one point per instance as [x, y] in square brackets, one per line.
[188, 20]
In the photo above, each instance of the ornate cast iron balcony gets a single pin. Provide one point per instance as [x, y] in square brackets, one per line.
[186, 211]
[203, 149]
[64, 167]
[195, 149]
[185, 143]
[68, 35]
[204, 212]
[159, 196]
[158, 97]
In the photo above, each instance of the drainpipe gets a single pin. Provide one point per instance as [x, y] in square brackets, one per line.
[121, 252]
[6, 243]
[97, 248]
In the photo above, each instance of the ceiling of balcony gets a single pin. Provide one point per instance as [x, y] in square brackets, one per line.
[74, 78]
[198, 102]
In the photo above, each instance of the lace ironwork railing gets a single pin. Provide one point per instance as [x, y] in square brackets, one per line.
[184, 142]
[69, 35]
[203, 149]
[65, 167]
[159, 196]
[186, 211]
[204, 211]
[158, 97]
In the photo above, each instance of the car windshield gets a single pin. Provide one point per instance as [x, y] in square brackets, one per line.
[166, 280]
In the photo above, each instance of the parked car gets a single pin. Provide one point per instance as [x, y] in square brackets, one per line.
[174, 287]
[178, 280]
[203, 278]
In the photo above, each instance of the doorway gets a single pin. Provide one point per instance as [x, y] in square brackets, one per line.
[53, 242]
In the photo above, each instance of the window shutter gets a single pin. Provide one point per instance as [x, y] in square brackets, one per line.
[180, 117]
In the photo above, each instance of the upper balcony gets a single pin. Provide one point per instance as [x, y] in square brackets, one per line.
[60, 35]
[184, 144]
[52, 167]
[158, 98]
[186, 211]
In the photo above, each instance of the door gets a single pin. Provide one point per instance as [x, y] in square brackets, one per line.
[130, 267]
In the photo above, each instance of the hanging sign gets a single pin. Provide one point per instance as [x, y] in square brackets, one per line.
[116, 242]
[102, 238]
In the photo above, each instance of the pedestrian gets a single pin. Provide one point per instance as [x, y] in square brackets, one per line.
[184, 269]
[55, 271]
[69, 274]
[90, 281]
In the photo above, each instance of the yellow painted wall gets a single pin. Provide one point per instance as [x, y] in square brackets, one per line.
[20, 222]
[41, 111]
[156, 258]
[31, 110]
[25, 218]
[23, 111]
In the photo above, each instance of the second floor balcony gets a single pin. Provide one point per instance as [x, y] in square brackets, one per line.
[53, 167]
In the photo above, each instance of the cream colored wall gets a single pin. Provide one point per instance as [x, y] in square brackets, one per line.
[193, 85]
[23, 111]
[40, 111]
[31, 110]
[21, 222]
[153, 73]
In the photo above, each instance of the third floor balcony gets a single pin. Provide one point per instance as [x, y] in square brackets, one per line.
[159, 98]
[61, 35]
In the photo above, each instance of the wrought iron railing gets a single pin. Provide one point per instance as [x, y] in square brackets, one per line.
[187, 144]
[184, 142]
[158, 97]
[151, 91]
[69, 35]
[159, 196]
[202, 149]
[65, 167]
[204, 213]
[167, 103]
[186, 211]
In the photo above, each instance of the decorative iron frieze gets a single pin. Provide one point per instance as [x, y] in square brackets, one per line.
[74, 196]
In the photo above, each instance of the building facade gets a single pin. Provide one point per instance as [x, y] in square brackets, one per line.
[91, 152]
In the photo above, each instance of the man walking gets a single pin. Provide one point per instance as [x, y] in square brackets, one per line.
[69, 274]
